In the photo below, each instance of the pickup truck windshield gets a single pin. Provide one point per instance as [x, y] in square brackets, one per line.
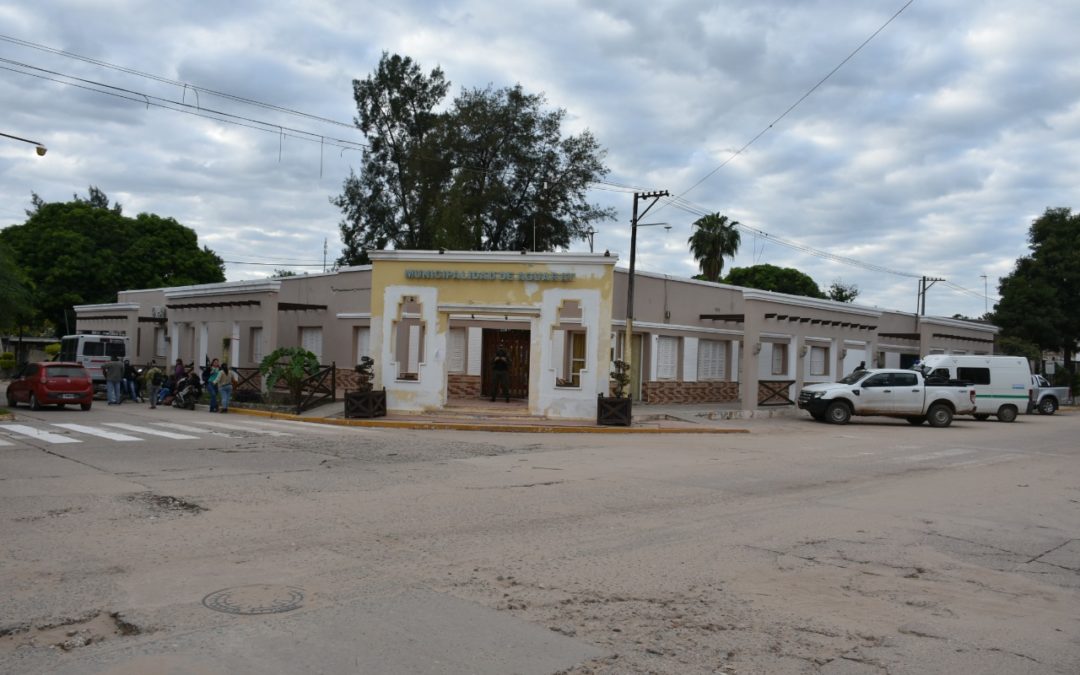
[854, 377]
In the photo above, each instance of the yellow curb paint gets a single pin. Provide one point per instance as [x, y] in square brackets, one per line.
[468, 426]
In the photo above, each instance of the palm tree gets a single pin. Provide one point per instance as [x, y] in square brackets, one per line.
[714, 238]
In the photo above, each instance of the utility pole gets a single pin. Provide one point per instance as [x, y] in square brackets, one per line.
[324, 254]
[924, 285]
[590, 233]
[638, 196]
[986, 297]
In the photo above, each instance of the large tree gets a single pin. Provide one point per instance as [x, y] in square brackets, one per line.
[714, 238]
[491, 171]
[1040, 299]
[772, 278]
[84, 251]
[16, 299]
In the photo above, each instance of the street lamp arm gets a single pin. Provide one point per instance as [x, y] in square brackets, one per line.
[41, 150]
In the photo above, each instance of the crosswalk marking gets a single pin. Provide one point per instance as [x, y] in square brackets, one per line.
[232, 426]
[3, 442]
[38, 434]
[93, 431]
[152, 432]
[190, 429]
[309, 427]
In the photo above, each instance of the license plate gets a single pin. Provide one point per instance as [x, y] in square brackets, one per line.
[70, 396]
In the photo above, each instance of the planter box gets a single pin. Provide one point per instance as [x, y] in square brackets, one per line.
[612, 411]
[365, 404]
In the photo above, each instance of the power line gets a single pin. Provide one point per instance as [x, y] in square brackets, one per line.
[176, 83]
[168, 104]
[799, 101]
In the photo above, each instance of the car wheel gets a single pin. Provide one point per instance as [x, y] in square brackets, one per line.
[915, 421]
[982, 417]
[84, 406]
[1006, 413]
[820, 417]
[11, 402]
[1048, 406]
[939, 416]
[838, 413]
[34, 403]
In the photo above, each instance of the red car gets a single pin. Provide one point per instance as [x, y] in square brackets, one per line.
[51, 383]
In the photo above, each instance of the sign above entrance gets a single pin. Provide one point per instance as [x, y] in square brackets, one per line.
[477, 275]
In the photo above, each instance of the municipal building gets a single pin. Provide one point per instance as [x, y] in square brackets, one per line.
[432, 321]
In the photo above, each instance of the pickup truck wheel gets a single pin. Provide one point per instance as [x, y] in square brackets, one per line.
[915, 421]
[820, 417]
[1006, 413]
[939, 415]
[1048, 406]
[982, 417]
[838, 413]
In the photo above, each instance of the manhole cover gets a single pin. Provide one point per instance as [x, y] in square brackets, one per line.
[255, 599]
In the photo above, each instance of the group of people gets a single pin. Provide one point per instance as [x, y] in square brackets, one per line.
[122, 379]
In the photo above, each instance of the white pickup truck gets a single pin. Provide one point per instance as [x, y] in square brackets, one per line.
[889, 393]
[1044, 398]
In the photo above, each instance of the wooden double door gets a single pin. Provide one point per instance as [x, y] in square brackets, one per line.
[516, 343]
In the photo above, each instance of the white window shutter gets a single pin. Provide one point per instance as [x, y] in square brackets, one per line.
[558, 352]
[476, 349]
[455, 348]
[667, 350]
[363, 343]
[311, 340]
[690, 367]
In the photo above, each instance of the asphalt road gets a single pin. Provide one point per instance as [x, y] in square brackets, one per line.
[139, 541]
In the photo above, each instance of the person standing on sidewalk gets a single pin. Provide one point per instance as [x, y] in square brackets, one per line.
[153, 379]
[226, 380]
[210, 377]
[114, 379]
[501, 370]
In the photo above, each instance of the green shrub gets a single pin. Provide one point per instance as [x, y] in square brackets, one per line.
[52, 350]
[7, 361]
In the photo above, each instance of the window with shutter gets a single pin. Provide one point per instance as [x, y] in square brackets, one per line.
[711, 355]
[363, 343]
[779, 359]
[159, 342]
[311, 340]
[819, 357]
[257, 345]
[455, 350]
[667, 352]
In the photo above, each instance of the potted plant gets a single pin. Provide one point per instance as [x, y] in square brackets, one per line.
[365, 402]
[616, 410]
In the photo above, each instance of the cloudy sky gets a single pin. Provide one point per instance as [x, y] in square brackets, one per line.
[930, 151]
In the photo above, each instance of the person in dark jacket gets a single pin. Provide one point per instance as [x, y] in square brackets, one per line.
[114, 379]
[501, 370]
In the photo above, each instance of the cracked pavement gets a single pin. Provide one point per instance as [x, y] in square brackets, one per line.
[799, 548]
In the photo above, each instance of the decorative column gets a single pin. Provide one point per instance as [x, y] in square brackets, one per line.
[174, 342]
[234, 345]
[204, 347]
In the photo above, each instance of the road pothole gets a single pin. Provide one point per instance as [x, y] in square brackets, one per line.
[255, 599]
[165, 503]
[68, 634]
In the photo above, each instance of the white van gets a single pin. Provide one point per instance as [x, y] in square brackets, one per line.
[1002, 383]
[92, 350]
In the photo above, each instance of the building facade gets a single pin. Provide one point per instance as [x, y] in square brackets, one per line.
[432, 321]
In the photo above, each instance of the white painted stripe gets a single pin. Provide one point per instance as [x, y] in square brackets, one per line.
[103, 433]
[244, 428]
[190, 429]
[38, 434]
[152, 432]
[929, 456]
[313, 427]
[3, 442]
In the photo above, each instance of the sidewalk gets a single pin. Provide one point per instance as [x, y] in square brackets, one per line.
[513, 417]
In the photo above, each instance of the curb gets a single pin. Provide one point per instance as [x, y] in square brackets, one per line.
[472, 426]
